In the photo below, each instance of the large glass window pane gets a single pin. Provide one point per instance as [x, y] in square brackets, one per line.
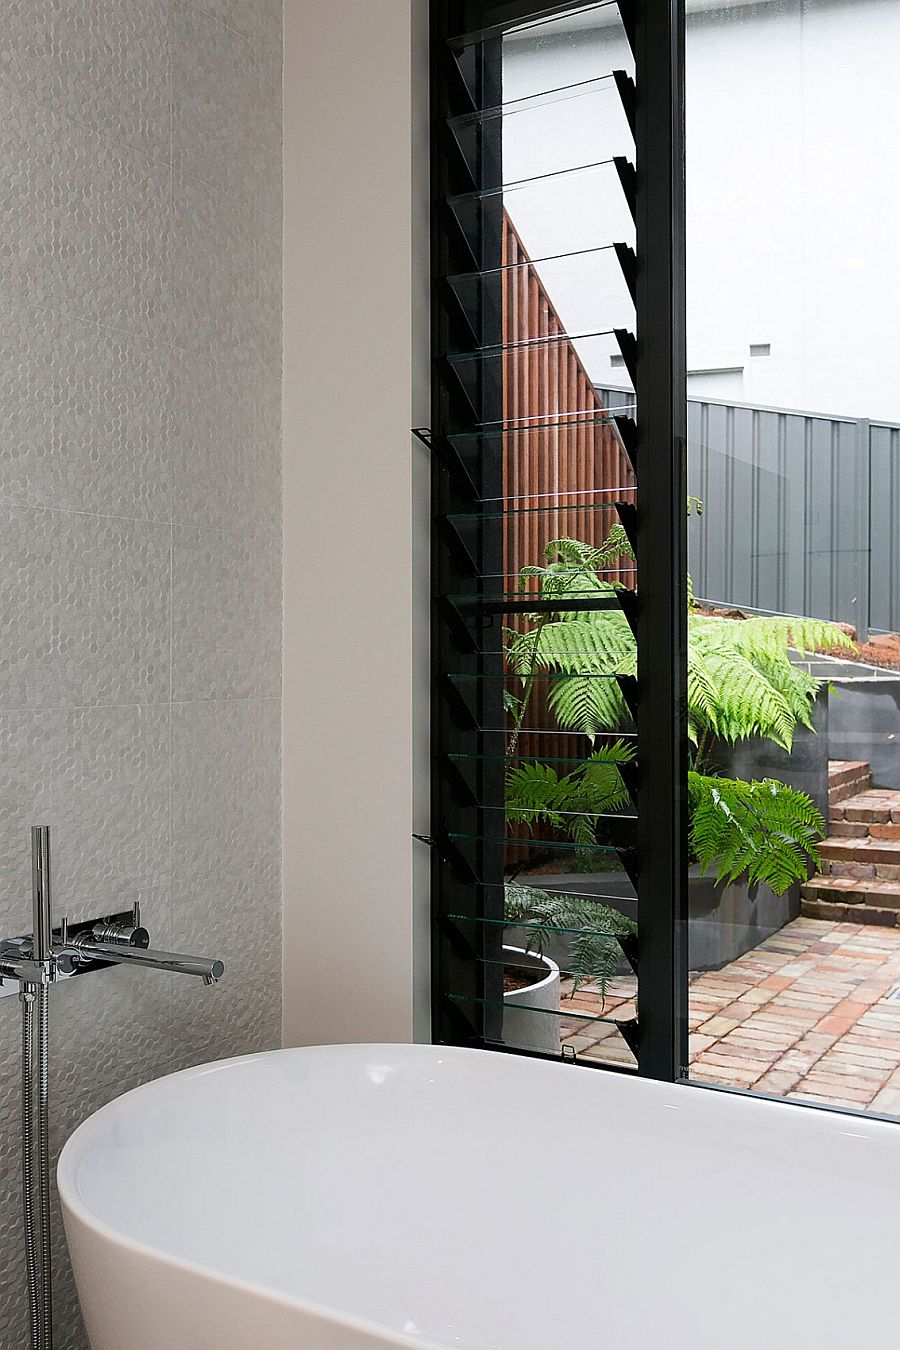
[793, 197]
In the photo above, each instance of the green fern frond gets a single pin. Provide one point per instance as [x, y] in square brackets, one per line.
[763, 830]
[590, 928]
[573, 802]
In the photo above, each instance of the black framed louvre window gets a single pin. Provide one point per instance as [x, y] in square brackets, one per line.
[559, 649]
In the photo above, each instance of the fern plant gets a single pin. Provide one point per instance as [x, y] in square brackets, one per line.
[741, 683]
[594, 952]
[763, 830]
[571, 803]
[741, 680]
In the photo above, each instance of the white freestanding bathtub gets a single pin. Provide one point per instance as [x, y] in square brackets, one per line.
[348, 1197]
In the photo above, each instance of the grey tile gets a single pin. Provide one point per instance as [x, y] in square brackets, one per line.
[99, 777]
[254, 18]
[84, 223]
[97, 420]
[226, 615]
[226, 109]
[236, 917]
[226, 794]
[226, 263]
[85, 609]
[104, 63]
[226, 445]
[85, 416]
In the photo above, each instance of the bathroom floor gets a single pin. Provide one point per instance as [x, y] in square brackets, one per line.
[804, 1015]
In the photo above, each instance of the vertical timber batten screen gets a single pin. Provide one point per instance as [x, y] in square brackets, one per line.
[525, 451]
[584, 448]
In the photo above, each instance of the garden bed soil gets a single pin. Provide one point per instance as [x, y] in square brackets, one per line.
[514, 980]
[882, 649]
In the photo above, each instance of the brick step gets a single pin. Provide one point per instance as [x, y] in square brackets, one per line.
[875, 806]
[856, 829]
[853, 891]
[865, 858]
[835, 912]
[847, 778]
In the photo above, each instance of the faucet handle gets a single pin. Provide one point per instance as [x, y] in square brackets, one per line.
[120, 934]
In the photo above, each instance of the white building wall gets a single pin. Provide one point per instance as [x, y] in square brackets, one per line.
[793, 195]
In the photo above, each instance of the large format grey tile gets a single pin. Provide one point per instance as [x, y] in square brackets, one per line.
[85, 416]
[84, 223]
[99, 777]
[261, 19]
[85, 609]
[226, 786]
[226, 115]
[231, 916]
[226, 453]
[226, 615]
[226, 263]
[104, 63]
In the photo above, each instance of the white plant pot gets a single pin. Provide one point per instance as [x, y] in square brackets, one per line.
[531, 1015]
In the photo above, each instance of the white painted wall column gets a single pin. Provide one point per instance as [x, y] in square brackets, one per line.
[355, 520]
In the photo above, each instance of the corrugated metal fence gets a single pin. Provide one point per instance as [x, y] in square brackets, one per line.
[801, 512]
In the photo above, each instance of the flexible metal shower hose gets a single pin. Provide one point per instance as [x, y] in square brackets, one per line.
[31, 1252]
[43, 1010]
[37, 1235]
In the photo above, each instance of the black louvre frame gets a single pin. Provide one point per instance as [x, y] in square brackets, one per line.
[467, 861]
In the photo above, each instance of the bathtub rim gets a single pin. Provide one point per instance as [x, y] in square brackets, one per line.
[71, 1202]
[107, 1233]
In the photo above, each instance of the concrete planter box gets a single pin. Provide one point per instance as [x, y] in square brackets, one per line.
[864, 723]
[531, 1015]
[805, 768]
[863, 715]
[724, 921]
[727, 921]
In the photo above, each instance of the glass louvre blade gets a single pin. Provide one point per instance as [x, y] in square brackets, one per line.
[524, 926]
[516, 961]
[534, 361]
[594, 274]
[614, 823]
[584, 453]
[512, 758]
[565, 738]
[474, 535]
[483, 598]
[462, 678]
[594, 417]
[538, 343]
[570, 25]
[492, 512]
[553, 846]
[566, 211]
[506, 583]
[576, 1016]
[574, 122]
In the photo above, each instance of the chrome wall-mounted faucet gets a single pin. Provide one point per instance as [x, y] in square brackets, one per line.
[28, 966]
[48, 954]
[129, 945]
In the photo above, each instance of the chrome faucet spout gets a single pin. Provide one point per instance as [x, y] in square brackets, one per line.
[210, 970]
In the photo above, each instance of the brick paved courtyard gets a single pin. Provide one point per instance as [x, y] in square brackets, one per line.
[804, 1015]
